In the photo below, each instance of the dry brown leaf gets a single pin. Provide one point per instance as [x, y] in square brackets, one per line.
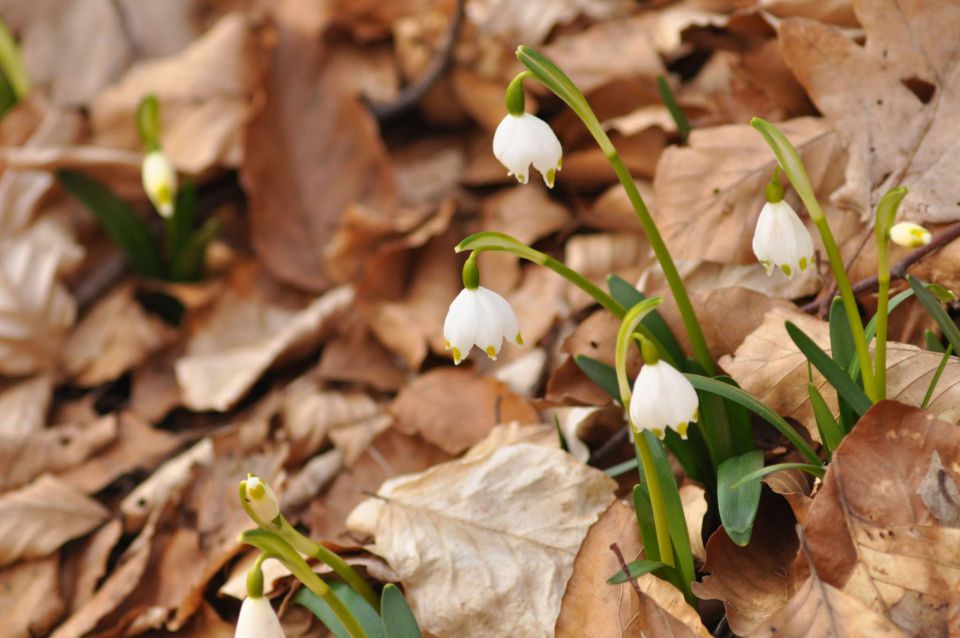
[940, 493]
[817, 609]
[23, 406]
[517, 509]
[53, 450]
[354, 356]
[116, 335]
[869, 532]
[596, 256]
[531, 22]
[315, 475]
[205, 96]
[85, 568]
[838, 12]
[710, 215]
[40, 517]
[318, 149]
[770, 367]
[35, 308]
[893, 101]
[31, 602]
[243, 339]
[454, 409]
[754, 581]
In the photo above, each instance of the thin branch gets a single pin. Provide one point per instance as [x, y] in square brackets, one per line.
[412, 94]
[626, 570]
[897, 271]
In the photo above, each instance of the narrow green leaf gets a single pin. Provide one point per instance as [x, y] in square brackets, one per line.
[830, 431]
[148, 121]
[815, 470]
[936, 377]
[7, 96]
[604, 376]
[666, 96]
[366, 616]
[932, 341]
[180, 224]
[838, 378]
[936, 312]
[628, 296]
[621, 468]
[842, 347]
[11, 64]
[737, 395]
[637, 568]
[738, 507]
[741, 429]
[398, 620]
[119, 221]
[648, 529]
[190, 262]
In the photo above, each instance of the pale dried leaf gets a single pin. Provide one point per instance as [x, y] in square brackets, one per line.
[23, 406]
[244, 339]
[518, 509]
[32, 601]
[940, 493]
[84, 569]
[116, 335]
[40, 517]
[531, 22]
[316, 474]
[523, 373]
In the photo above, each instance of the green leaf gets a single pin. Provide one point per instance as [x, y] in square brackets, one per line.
[815, 470]
[366, 615]
[7, 96]
[622, 468]
[936, 377]
[842, 347]
[738, 506]
[830, 431]
[838, 377]
[148, 121]
[398, 620]
[180, 224]
[637, 569]
[190, 262]
[932, 341]
[129, 232]
[666, 96]
[936, 312]
[628, 296]
[737, 395]
[600, 373]
[648, 529]
[11, 64]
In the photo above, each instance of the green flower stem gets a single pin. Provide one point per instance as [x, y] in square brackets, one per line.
[792, 165]
[886, 213]
[558, 82]
[275, 547]
[625, 335]
[281, 527]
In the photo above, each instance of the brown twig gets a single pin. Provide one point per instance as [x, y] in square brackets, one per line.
[897, 271]
[626, 570]
[412, 94]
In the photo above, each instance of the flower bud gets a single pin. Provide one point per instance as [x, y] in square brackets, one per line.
[159, 181]
[910, 235]
[261, 498]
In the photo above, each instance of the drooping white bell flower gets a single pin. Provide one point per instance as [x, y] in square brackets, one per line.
[663, 398]
[262, 499]
[781, 239]
[159, 181]
[910, 235]
[258, 619]
[479, 317]
[525, 139]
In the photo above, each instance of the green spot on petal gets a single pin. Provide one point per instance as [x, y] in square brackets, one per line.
[550, 177]
[803, 264]
[456, 356]
[519, 339]
[786, 269]
[682, 430]
[491, 352]
[657, 432]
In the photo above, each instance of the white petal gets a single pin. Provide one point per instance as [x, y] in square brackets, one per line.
[258, 620]
[506, 318]
[489, 329]
[546, 151]
[782, 240]
[646, 402]
[682, 406]
[262, 499]
[663, 398]
[159, 181]
[510, 149]
[461, 326]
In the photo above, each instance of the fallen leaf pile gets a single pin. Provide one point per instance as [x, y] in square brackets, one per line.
[345, 149]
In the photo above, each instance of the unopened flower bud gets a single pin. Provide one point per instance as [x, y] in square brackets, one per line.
[910, 235]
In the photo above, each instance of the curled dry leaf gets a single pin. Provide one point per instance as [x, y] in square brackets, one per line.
[906, 83]
[53, 450]
[710, 215]
[454, 409]
[518, 509]
[869, 532]
[116, 335]
[243, 339]
[769, 366]
[40, 517]
[32, 602]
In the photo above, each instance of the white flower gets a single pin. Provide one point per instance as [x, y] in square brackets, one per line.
[663, 398]
[910, 235]
[258, 620]
[479, 317]
[262, 499]
[782, 240]
[525, 139]
[159, 181]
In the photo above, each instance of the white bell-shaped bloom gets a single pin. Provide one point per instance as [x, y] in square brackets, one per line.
[479, 317]
[910, 235]
[522, 140]
[663, 398]
[159, 181]
[782, 240]
[262, 499]
[258, 620]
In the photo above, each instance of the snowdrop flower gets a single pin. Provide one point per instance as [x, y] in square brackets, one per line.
[523, 139]
[261, 498]
[478, 316]
[781, 239]
[662, 397]
[258, 620]
[910, 235]
[159, 181]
